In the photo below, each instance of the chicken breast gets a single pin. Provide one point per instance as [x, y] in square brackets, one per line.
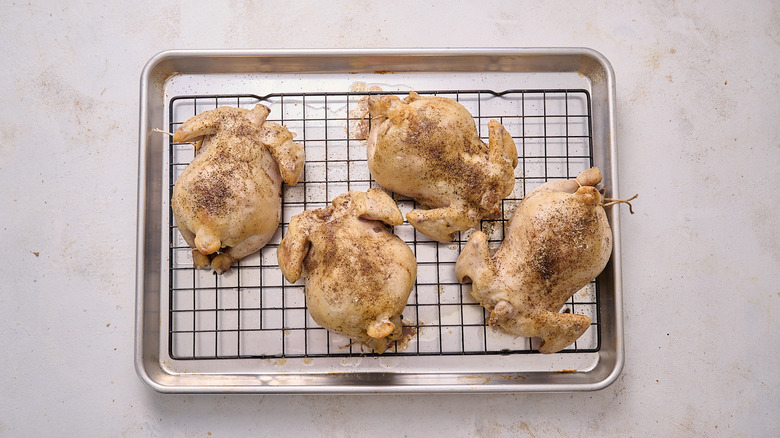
[227, 201]
[427, 148]
[557, 242]
[358, 275]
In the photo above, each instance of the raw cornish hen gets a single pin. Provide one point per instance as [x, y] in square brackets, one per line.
[427, 148]
[358, 274]
[227, 201]
[558, 240]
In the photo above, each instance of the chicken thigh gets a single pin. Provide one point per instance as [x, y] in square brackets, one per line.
[558, 241]
[227, 201]
[427, 148]
[358, 275]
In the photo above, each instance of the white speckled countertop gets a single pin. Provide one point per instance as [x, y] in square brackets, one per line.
[698, 139]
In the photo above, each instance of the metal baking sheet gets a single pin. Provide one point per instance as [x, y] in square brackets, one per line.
[248, 330]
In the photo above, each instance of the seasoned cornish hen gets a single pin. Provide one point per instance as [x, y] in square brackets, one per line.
[358, 275]
[227, 201]
[427, 148]
[558, 240]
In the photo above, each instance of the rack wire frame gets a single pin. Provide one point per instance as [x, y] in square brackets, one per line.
[252, 312]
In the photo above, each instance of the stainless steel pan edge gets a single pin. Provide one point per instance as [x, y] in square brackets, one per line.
[147, 322]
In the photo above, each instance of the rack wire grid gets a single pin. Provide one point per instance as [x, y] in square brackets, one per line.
[251, 311]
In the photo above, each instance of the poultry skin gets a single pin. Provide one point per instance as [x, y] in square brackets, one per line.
[428, 148]
[227, 201]
[358, 275]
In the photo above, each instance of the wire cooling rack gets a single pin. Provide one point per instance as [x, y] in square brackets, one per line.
[251, 311]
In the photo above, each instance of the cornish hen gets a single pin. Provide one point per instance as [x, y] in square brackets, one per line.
[227, 201]
[358, 275]
[427, 148]
[558, 240]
